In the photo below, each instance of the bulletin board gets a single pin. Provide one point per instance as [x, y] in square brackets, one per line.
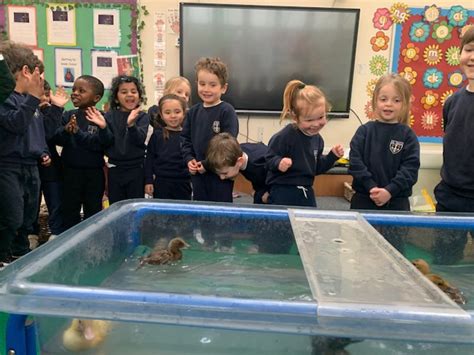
[90, 53]
[426, 52]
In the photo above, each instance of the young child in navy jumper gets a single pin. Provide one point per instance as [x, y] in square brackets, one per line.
[295, 153]
[203, 121]
[455, 192]
[129, 126]
[179, 86]
[166, 174]
[385, 153]
[22, 148]
[84, 135]
[227, 158]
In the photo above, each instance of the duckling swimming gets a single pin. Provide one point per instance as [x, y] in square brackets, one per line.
[453, 292]
[84, 334]
[421, 265]
[160, 256]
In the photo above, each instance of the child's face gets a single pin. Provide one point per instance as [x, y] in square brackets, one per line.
[467, 61]
[210, 88]
[389, 104]
[172, 113]
[312, 120]
[229, 172]
[45, 99]
[128, 96]
[83, 94]
[183, 90]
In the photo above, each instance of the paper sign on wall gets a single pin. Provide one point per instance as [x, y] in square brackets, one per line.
[104, 66]
[22, 24]
[68, 65]
[61, 25]
[106, 28]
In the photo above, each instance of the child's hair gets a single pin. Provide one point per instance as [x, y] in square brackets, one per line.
[468, 36]
[297, 92]
[96, 84]
[214, 66]
[162, 101]
[18, 55]
[404, 90]
[223, 151]
[116, 82]
[46, 87]
[173, 83]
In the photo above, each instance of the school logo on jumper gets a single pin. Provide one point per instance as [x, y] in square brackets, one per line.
[396, 146]
[92, 129]
[315, 153]
[216, 126]
[36, 115]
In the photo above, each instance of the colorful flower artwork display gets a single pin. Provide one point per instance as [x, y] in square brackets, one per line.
[426, 53]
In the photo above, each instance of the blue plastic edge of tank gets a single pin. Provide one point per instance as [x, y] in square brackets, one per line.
[16, 334]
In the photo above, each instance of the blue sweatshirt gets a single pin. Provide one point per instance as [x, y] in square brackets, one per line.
[128, 148]
[203, 123]
[84, 149]
[384, 155]
[164, 158]
[458, 148]
[305, 153]
[22, 136]
[255, 170]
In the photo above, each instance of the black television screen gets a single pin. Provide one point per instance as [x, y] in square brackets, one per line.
[264, 47]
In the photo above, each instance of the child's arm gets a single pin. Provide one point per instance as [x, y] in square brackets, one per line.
[96, 141]
[7, 81]
[229, 121]
[357, 166]
[326, 162]
[151, 155]
[407, 173]
[275, 159]
[139, 129]
[187, 148]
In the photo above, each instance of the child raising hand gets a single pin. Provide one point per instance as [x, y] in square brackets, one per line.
[294, 155]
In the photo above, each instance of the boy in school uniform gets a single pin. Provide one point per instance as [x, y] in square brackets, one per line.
[22, 148]
[203, 121]
[455, 192]
[227, 158]
[84, 135]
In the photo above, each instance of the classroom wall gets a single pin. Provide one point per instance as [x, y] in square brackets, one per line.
[337, 131]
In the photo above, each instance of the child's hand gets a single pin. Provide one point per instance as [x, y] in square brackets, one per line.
[338, 150]
[35, 83]
[201, 169]
[60, 97]
[149, 189]
[71, 127]
[193, 167]
[285, 164]
[45, 160]
[132, 117]
[380, 196]
[93, 115]
[265, 197]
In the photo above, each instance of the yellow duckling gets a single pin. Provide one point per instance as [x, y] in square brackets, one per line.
[421, 265]
[160, 256]
[84, 334]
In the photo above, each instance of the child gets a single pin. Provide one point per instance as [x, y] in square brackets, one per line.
[295, 153]
[455, 192]
[227, 158]
[203, 121]
[22, 148]
[179, 86]
[84, 135]
[129, 126]
[385, 153]
[164, 160]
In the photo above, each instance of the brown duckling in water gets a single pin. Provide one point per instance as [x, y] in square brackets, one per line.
[160, 256]
[453, 292]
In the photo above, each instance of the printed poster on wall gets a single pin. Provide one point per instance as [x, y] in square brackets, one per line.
[104, 66]
[106, 28]
[61, 25]
[68, 62]
[22, 24]
[128, 65]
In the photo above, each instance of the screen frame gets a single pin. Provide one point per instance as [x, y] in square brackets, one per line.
[331, 114]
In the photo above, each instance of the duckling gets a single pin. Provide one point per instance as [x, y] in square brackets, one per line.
[84, 334]
[453, 292]
[160, 256]
[421, 265]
